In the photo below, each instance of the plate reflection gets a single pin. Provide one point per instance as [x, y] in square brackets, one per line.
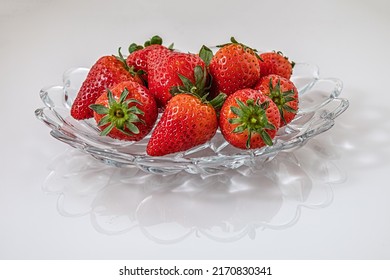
[167, 209]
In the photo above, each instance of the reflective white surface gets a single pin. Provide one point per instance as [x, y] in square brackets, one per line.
[326, 200]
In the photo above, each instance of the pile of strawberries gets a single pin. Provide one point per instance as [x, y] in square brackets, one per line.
[249, 96]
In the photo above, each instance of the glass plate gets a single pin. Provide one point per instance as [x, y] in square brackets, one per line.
[320, 104]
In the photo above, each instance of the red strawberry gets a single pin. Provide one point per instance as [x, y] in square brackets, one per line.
[275, 63]
[283, 92]
[138, 56]
[249, 119]
[164, 70]
[106, 72]
[127, 111]
[188, 119]
[234, 66]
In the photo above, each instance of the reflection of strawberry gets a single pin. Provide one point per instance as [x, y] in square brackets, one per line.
[126, 112]
[106, 72]
[283, 92]
[249, 119]
[164, 74]
[275, 63]
[234, 66]
[188, 119]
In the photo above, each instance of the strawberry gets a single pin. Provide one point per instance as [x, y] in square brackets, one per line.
[249, 119]
[164, 70]
[106, 72]
[188, 120]
[138, 56]
[275, 63]
[127, 111]
[283, 92]
[234, 66]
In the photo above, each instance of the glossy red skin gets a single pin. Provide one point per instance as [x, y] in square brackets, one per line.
[238, 140]
[139, 58]
[149, 107]
[285, 85]
[275, 63]
[106, 72]
[164, 69]
[233, 68]
[185, 123]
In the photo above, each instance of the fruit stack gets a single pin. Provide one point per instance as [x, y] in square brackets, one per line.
[246, 94]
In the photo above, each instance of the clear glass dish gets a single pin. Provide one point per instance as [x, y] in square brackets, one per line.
[320, 104]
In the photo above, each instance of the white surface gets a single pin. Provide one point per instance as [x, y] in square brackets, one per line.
[328, 200]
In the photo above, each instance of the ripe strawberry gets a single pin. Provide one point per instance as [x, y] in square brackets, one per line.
[127, 111]
[164, 71]
[283, 92]
[234, 66]
[275, 63]
[188, 119]
[138, 56]
[249, 119]
[106, 72]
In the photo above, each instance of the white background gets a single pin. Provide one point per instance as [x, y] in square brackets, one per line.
[56, 203]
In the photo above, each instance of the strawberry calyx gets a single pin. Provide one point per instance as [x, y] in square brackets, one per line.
[281, 99]
[119, 114]
[199, 89]
[251, 117]
[155, 40]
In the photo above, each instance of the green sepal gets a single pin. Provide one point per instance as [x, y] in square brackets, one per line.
[199, 89]
[135, 110]
[206, 54]
[266, 138]
[269, 126]
[110, 97]
[121, 58]
[107, 129]
[239, 129]
[289, 109]
[251, 117]
[132, 100]
[218, 101]
[289, 99]
[100, 109]
[118, 114]
[236, 111]
[130, 126]
[134, 47]
[187, 83]
[155, 40]
[123, 95]
[105, 120]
